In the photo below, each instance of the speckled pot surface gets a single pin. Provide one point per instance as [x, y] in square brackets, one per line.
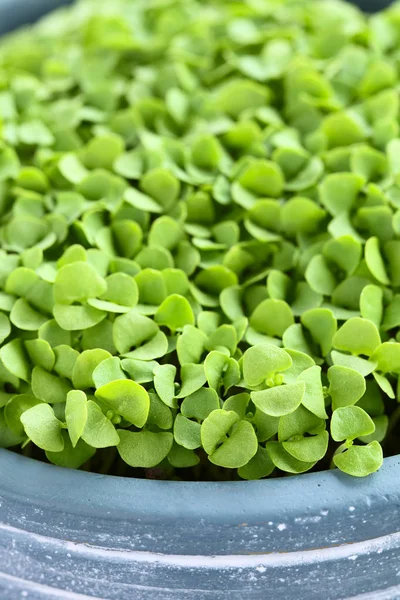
[70, 534]
[74, 535]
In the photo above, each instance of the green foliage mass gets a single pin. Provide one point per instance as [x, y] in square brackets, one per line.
[200, 237]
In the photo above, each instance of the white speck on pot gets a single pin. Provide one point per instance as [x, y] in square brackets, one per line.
[270, 522]
[353, 557]
[311, 519]
[261, 569]
[352, 508]
[324, 512]
[281, 526]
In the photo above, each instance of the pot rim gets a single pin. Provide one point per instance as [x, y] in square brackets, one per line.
[223, 502]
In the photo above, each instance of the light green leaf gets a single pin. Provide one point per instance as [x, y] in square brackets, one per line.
[350, 422]
[357, 336]
[76, 415]
[360, 461]
[280, 400]
[346, 387]
[43, 428]
[99, 432]
[126, 398]
[144, 448]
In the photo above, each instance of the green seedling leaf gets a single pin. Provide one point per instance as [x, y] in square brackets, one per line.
[308, 449]
[313, 398]
[384, 384]
[298, 423]
[239, 403]
[319, 277]
[301, 215]
[322, 326]
[238, 449]
[193, 377]
[200, 404]
[374, 261]
[71, 457]
[285, 461]
[300, 362]
[76, 415]
[215, 365]
[108, 370]
[272, 317]
[131, 330]
[350, 422]
[127, 399]
[381, 426]
[144, 448]
[121, 296]
[215, 428]
[361, 365]
[339, 191]
[187, 432]
[56, 336]
[175, 312]
[262, 362]
[342, 129]
[371, 304]
[190, 345]
[357, 336]
[13, 410]
[140, 371]
[346, 387]
[99, 432]
[161, 186]
[224, 337]
[345, 252]
[14, 358]
[164, 383]
[76, 282]
[280, 400]
[75, 318]
[156, 347]
[392, 314]
[5, 327]
[48, 387]
[360, 461]
[182, 458]
[85, 364]
[387, 357]
[258, 467]
[263, 178]
[43, 428]
[266, 426]
[41, 353]
[65, 358]
[159, 415]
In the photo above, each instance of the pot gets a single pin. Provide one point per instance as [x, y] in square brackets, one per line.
[74, 535]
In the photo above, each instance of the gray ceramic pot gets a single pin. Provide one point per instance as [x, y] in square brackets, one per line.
[73, 535]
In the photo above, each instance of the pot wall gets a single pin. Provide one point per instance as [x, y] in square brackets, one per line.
[317, 535]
